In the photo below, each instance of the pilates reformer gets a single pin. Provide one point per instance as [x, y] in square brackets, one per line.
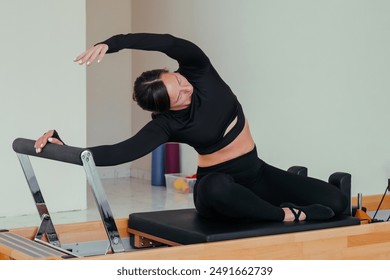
[151, 229]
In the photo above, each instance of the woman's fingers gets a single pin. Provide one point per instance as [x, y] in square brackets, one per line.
[103, 52]
[55, 141]
[82, 58]
[91, 54]
[42, 141]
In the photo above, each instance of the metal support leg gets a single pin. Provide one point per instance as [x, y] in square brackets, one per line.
[102, 203]
[46, 227]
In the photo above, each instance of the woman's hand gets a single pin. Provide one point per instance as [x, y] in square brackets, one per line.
[91, 54]
[47, 137]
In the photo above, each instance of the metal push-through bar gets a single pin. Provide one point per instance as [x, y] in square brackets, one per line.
[73, 155]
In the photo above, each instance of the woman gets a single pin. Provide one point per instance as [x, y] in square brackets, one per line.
[194, 105]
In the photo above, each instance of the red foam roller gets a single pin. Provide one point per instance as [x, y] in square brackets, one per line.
[172, 158]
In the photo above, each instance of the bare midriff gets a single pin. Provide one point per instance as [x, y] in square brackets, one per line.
[241, 145]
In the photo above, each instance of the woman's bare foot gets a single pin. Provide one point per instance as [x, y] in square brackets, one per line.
[309, 212]
[290, 217]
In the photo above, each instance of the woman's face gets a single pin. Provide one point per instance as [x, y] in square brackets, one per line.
[179, 90]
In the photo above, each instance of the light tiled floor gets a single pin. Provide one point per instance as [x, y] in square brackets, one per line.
[125, 196]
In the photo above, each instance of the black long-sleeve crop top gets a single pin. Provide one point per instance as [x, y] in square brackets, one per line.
[202, 125]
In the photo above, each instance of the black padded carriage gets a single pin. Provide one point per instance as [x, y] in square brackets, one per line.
[185, 226]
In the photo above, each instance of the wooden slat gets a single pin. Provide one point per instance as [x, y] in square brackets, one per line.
[371, 202]
[368, 238]
[378, 251]
[139, 235]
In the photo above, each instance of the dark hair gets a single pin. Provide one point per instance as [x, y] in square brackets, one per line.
[150, 92]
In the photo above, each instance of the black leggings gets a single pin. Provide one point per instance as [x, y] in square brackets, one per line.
[247, 188]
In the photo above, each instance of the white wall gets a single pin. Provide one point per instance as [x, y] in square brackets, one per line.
[109, 82]
[39, 87]
[312, 77]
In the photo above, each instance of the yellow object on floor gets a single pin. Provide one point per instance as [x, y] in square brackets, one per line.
[181, 185]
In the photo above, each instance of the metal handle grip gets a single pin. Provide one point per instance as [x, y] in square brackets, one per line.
[62, 153]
